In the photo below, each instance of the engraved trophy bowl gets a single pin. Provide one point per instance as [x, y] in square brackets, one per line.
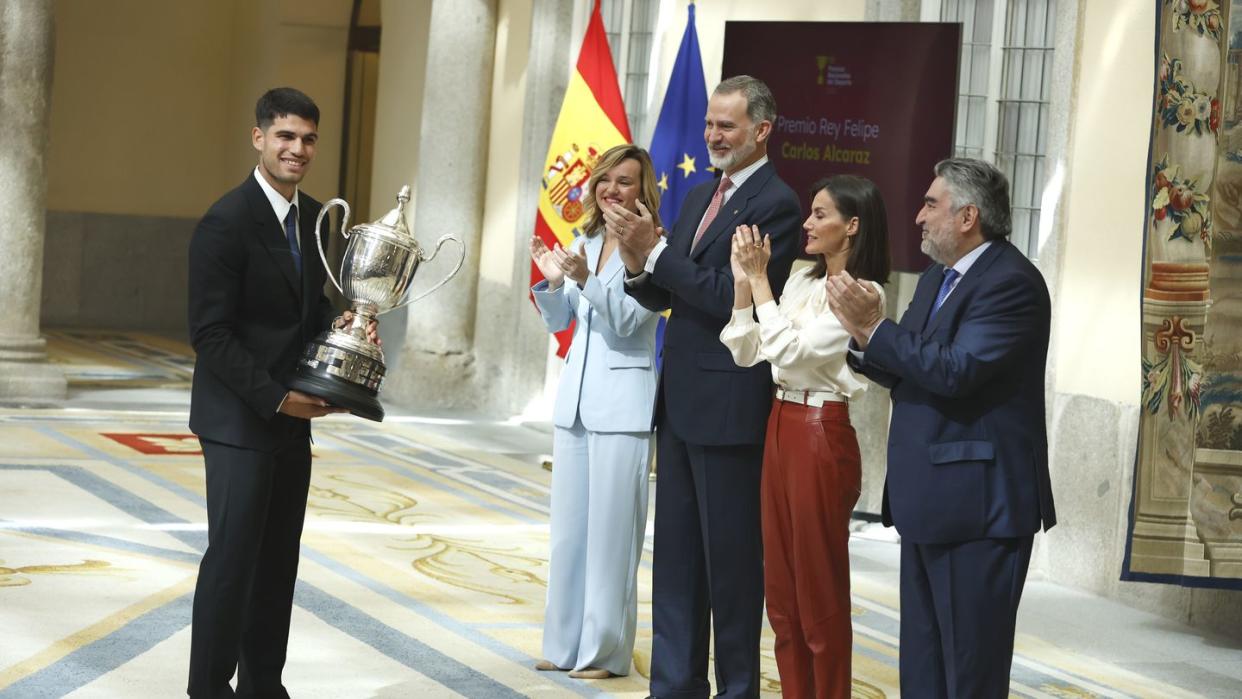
[341, 365]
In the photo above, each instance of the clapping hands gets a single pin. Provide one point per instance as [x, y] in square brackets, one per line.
[751, 253]
[635, 233]
[857, 304]
[557, 263]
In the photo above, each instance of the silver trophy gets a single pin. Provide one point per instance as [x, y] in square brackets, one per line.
[342, 366]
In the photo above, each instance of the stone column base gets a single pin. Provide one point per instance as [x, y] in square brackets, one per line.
[426, 380]
[26, 377]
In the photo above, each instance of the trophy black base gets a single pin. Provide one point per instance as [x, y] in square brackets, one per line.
[344, 371]
[353, 398]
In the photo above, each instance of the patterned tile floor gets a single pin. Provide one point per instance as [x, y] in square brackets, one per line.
[423, 563]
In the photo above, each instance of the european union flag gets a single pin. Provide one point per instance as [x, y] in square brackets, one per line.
[677, 148]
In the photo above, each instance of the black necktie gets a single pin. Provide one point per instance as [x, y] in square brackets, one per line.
[291, 234]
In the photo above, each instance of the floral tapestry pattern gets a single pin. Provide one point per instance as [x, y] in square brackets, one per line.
[1185, 522]
[1182, 202]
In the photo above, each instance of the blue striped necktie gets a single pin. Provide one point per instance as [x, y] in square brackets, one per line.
[291, 234]
[950, 275]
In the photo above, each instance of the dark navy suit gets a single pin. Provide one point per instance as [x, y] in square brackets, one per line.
[967, 484]
[711, 416]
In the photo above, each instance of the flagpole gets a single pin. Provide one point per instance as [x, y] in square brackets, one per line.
[591, 120]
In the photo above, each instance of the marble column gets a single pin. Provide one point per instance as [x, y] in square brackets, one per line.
[26, 50]
[870, 413]
[436, 363]
[517, 375]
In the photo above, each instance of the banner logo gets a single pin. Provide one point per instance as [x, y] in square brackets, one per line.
[831, 74]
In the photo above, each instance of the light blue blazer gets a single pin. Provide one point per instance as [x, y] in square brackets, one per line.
[609, 380]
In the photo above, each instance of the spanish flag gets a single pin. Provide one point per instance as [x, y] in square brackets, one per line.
[591, 121]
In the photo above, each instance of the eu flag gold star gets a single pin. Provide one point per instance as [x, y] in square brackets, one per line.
[687, 164]
[663, 183]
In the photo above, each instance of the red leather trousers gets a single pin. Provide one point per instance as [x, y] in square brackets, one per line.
[812, 475]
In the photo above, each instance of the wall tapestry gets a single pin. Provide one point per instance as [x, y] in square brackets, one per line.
[1186, 507]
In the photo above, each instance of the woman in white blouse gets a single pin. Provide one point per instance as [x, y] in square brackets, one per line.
[811, 464]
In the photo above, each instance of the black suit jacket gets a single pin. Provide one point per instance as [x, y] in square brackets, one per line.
[709, 399]
[250, 317]
[967, 447]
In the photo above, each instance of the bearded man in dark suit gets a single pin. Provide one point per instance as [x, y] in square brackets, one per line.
[967, 484]
[711, 415]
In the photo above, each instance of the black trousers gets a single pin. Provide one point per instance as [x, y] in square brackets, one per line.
[256, 503]
[959, 609]
[708, 568]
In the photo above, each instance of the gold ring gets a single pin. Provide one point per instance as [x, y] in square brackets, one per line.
[758, 244]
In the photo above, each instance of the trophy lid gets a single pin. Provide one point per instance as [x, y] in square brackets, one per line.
[392, 225]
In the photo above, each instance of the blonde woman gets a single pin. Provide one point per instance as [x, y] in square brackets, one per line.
[603, 442]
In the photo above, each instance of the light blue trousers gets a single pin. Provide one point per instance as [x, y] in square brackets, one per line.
[599, 515]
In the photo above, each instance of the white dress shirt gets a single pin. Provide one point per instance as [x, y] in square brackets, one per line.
[800, 336]
[280, 205]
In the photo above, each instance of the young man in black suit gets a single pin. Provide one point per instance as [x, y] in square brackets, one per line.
[711, 414]
[256, 298]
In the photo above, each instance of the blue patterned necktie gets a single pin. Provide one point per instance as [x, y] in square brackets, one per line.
[950, 275]
[291, 234]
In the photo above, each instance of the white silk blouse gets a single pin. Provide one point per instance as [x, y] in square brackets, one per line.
[800, 337]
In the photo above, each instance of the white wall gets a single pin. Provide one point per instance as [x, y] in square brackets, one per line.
[505, 143]
[1097, 299]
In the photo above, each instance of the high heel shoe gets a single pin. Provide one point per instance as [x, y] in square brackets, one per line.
[591, 673]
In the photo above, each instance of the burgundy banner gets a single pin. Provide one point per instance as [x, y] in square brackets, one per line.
[875, 99]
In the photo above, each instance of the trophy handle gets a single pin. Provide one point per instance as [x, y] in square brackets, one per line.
[447, 237]
[319, 241]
